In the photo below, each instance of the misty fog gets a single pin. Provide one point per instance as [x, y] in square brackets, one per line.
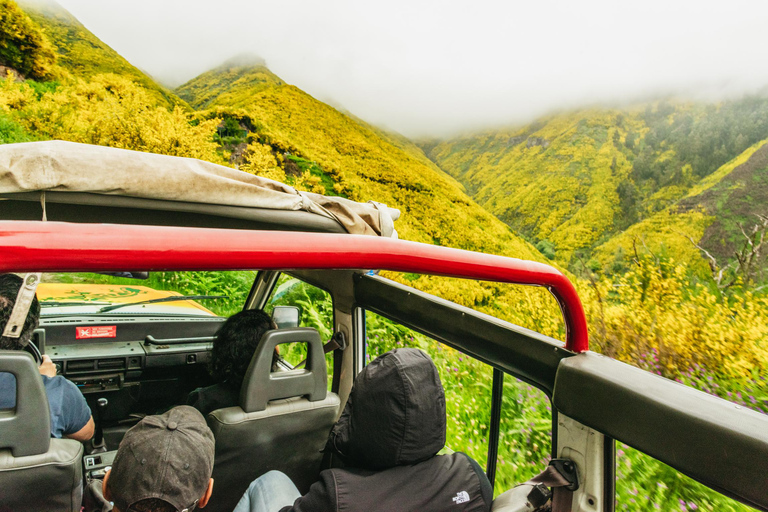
[435, 68]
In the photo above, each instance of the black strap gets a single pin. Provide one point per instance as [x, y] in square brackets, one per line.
[337, 342]
[561, 476]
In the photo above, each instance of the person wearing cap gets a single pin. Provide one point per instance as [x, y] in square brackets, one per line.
[70, 414]
[164, 464]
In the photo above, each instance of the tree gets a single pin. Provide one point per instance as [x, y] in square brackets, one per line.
[23, 46]
[746, 266]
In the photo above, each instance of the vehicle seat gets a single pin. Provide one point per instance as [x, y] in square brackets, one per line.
[36, 472]
[282, 422]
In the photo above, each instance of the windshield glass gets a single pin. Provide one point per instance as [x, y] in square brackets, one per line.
[214, 294]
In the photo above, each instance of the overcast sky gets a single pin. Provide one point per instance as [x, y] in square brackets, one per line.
[439, 67]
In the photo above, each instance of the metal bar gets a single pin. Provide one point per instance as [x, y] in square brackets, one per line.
[609, 474]
[69, 247]
[497, 394]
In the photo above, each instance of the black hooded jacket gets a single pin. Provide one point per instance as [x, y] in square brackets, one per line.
[388, 436]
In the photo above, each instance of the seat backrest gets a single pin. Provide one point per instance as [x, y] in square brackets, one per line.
[282, 422]
[36, 472]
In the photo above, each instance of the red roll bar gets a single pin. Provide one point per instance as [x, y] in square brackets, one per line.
[27, 246]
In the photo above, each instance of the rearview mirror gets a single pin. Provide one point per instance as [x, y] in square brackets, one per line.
[286, 317]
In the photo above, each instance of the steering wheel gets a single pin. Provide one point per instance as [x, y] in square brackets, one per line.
[32, 349]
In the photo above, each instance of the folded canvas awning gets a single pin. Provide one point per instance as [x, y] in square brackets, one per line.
[59, 166]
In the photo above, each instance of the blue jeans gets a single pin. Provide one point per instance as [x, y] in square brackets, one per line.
[268, 493]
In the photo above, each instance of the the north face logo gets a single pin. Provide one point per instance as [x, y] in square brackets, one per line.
[461, 497]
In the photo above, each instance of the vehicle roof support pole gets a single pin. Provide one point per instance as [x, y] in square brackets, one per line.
[497, 393]
[609, 465]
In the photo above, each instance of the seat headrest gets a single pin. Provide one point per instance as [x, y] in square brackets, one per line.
[261, 385]
[26, 429]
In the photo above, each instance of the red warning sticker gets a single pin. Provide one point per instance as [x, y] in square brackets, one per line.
[97, 331]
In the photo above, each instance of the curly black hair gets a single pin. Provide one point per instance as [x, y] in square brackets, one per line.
[10, 284]
[236, 341]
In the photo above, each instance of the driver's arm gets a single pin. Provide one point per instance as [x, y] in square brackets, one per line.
[74, 414]
[85, 433]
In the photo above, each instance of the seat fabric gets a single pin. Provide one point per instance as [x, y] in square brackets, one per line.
[49, 481]
[36, 472]
[288, 436]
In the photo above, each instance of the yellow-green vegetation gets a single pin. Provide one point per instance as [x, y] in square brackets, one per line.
[107, 110]
[664, 234]
[652, 316]
[84, 55]
[723, 171]
[572, 181]
[708, 215]
[23, 46]
[556, 181]
[362, 165]
[226, 84]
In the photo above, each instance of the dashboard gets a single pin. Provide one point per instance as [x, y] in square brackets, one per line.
[129, 366]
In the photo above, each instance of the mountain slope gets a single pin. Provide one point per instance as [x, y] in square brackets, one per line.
[435, 208]
[222, 84]
[83, 54]
[572, 181]
[711, 215]
[553, 181]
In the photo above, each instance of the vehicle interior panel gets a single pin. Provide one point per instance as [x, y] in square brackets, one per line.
[526, 354]
[716, 442]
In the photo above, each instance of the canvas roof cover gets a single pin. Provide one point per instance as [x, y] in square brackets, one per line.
[60, 166]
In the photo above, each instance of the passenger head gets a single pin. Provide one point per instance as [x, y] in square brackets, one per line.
[10, 284]
[163, 463]
[395, 414]
[236, 341]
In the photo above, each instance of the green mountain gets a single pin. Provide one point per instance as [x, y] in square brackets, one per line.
[219, 86]
[83, 54]
[352, 158]
[571, 182]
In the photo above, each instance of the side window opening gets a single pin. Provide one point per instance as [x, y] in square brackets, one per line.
[642, 480]
[526, 416]
[315, 310]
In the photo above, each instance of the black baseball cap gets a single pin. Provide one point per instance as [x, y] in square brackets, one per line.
[168, 456]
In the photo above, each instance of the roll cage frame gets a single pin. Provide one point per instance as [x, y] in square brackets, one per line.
[596, 400]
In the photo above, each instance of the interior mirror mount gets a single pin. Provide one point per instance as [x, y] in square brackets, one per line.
[286, 317]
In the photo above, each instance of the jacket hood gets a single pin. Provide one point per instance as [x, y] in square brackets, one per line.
[395, 414]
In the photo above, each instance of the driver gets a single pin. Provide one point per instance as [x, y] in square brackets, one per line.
[70, 415]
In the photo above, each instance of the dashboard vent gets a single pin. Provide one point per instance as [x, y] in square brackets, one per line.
[81, 366]
[111, 364]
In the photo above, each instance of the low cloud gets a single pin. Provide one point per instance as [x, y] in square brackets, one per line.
[435, 68]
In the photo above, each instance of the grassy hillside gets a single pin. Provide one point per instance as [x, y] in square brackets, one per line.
[711, 214]
[572, 181]
[84, 55]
